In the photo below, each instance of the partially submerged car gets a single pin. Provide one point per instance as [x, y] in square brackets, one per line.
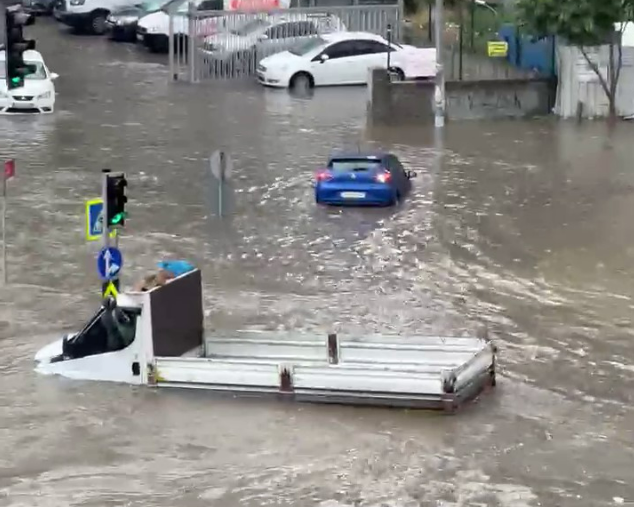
[37, 95]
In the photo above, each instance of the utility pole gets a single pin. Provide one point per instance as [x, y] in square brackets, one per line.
[439, 92]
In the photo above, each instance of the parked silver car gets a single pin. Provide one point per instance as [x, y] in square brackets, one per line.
[265, 35]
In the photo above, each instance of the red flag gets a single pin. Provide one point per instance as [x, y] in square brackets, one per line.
[9, 169]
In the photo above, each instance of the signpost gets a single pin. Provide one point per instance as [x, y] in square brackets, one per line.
[95, 220]
[7, 174]
[221, 169]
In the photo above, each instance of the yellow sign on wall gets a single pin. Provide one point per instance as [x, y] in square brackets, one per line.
[498, 49]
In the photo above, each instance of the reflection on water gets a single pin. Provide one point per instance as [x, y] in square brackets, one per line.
[523, 228]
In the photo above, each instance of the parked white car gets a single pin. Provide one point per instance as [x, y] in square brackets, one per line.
[88, 15]
[38, 93]
[342, 58]
[270, 34]
[153, 29]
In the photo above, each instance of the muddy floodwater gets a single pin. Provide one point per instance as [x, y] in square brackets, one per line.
[527, 228]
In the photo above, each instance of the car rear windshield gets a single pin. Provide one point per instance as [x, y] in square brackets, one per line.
[354, 164]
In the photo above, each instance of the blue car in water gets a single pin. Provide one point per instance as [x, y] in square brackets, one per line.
[363, 179]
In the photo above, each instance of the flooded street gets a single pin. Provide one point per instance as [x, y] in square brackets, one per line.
[526, 229]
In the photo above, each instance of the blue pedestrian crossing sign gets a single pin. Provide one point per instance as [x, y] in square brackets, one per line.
[109, 263]
[94, 220]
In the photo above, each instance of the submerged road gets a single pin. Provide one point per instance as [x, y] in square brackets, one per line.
[526, 228]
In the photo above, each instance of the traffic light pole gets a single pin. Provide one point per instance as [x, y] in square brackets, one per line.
[14, 20]
[105, 227]
[4, 229]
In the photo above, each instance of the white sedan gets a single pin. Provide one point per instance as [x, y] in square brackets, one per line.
[38, 93]
[342, 58]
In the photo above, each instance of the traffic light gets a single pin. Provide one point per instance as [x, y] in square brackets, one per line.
[116, 200]
[15, 45]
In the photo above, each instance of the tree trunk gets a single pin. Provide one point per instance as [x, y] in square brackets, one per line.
[610, 81]
[612, 117]
[612, 84]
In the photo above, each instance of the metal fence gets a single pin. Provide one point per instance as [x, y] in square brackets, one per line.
[229, 44]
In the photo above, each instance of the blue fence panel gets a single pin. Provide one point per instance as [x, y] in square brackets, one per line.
[527, 53]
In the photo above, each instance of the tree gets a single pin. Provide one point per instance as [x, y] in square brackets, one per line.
[583, 23]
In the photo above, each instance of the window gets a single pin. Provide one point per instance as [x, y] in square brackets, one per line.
[368, 47]
[40, 71]
[354, 164]
[341, 49]
[306, 47]
[151, 6]
[202, 5]
[291, 29]
[250, 27]
[274, 32]
[211, 5]
[303, 29]
[108, 331]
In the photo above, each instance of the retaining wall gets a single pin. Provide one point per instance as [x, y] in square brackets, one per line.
[412, 101]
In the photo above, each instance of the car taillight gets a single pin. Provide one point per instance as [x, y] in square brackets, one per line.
[384, 177]
[323, 175]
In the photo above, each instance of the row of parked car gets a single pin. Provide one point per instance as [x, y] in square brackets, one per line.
[280, 49]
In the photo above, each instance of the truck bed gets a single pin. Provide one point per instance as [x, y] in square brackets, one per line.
[422, 372]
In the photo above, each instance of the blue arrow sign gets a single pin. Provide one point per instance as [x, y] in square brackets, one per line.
[109, 263]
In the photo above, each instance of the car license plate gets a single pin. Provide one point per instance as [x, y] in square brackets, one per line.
[23, 105]
[139, 37]
[353, 195]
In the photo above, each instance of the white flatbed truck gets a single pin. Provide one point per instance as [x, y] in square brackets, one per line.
[156, 338]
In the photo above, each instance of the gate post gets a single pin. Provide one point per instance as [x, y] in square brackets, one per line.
[191, 41]
[400, 17]
[170, 41]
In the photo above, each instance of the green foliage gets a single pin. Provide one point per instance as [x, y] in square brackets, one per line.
[580, 22]
[583, 23]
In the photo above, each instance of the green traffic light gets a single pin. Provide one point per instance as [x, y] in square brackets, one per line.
[15, 80]
[118, 218]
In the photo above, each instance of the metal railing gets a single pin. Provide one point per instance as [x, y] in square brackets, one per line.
[229, 44]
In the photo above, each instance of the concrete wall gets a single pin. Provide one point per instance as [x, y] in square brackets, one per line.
[412, 102]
